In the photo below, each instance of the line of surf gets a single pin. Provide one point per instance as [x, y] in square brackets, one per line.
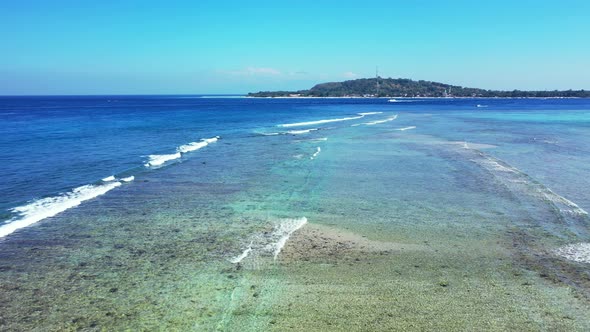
[316, 153]
[243, 255]
[369, 113]
[197, 145]
[290, 132]
[43, 208]
[160, 159]
[40, 209]
[128, 179]
[381, 121]
[271, 243]
[156, 160]
[113, 178]
[311, 123]
[299, 132]
[533, 187]
[319, 139]
[286, 229]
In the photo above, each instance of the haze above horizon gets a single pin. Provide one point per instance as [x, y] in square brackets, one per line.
[187, 47]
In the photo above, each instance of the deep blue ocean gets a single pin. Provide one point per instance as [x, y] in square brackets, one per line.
[134, 202]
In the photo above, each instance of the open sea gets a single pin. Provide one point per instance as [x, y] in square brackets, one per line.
[224, 213]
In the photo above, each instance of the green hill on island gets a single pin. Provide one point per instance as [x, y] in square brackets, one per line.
[402, 87]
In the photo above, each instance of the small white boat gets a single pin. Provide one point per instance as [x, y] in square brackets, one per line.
[392, 101]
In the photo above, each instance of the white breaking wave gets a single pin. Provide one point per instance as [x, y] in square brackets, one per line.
[285, 229]
[299, 132]
[128, 179]
[159, 159]
[269, 134]
[381, 121]
[311, 123]
[196, 145]
[243, 255]
[406, 128]
[51, 206]
[579, 252]
[108, 179]
[271, 243]
[317, 152]
[369, 113]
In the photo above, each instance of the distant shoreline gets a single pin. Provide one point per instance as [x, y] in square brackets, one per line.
[379, 87]
[357, 97]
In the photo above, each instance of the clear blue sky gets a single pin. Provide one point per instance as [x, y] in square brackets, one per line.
[127, 47]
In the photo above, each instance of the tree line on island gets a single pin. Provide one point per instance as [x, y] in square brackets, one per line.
[403, 87]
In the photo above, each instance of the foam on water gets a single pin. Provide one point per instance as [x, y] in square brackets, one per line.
[196, 145]
[243, 255]
[299, 132]
[271, 243]
[310, 123]
[578, 252]
[562, 203]
[191, 147]
[381, 121]
[571, 207]
[406, 128]
[160, 159]
[48, 207]
[317, 152]
[321, 139]
[471, 145]
[525, 183]
[495, 165]
[285, 229]
[128, 179]
[290, 132]
[370, 113]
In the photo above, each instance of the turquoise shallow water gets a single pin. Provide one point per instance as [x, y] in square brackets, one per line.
[422, 215]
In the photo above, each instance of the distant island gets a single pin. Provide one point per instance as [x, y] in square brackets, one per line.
[403, 87]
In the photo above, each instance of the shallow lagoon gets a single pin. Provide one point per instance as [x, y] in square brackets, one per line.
[448, 225]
